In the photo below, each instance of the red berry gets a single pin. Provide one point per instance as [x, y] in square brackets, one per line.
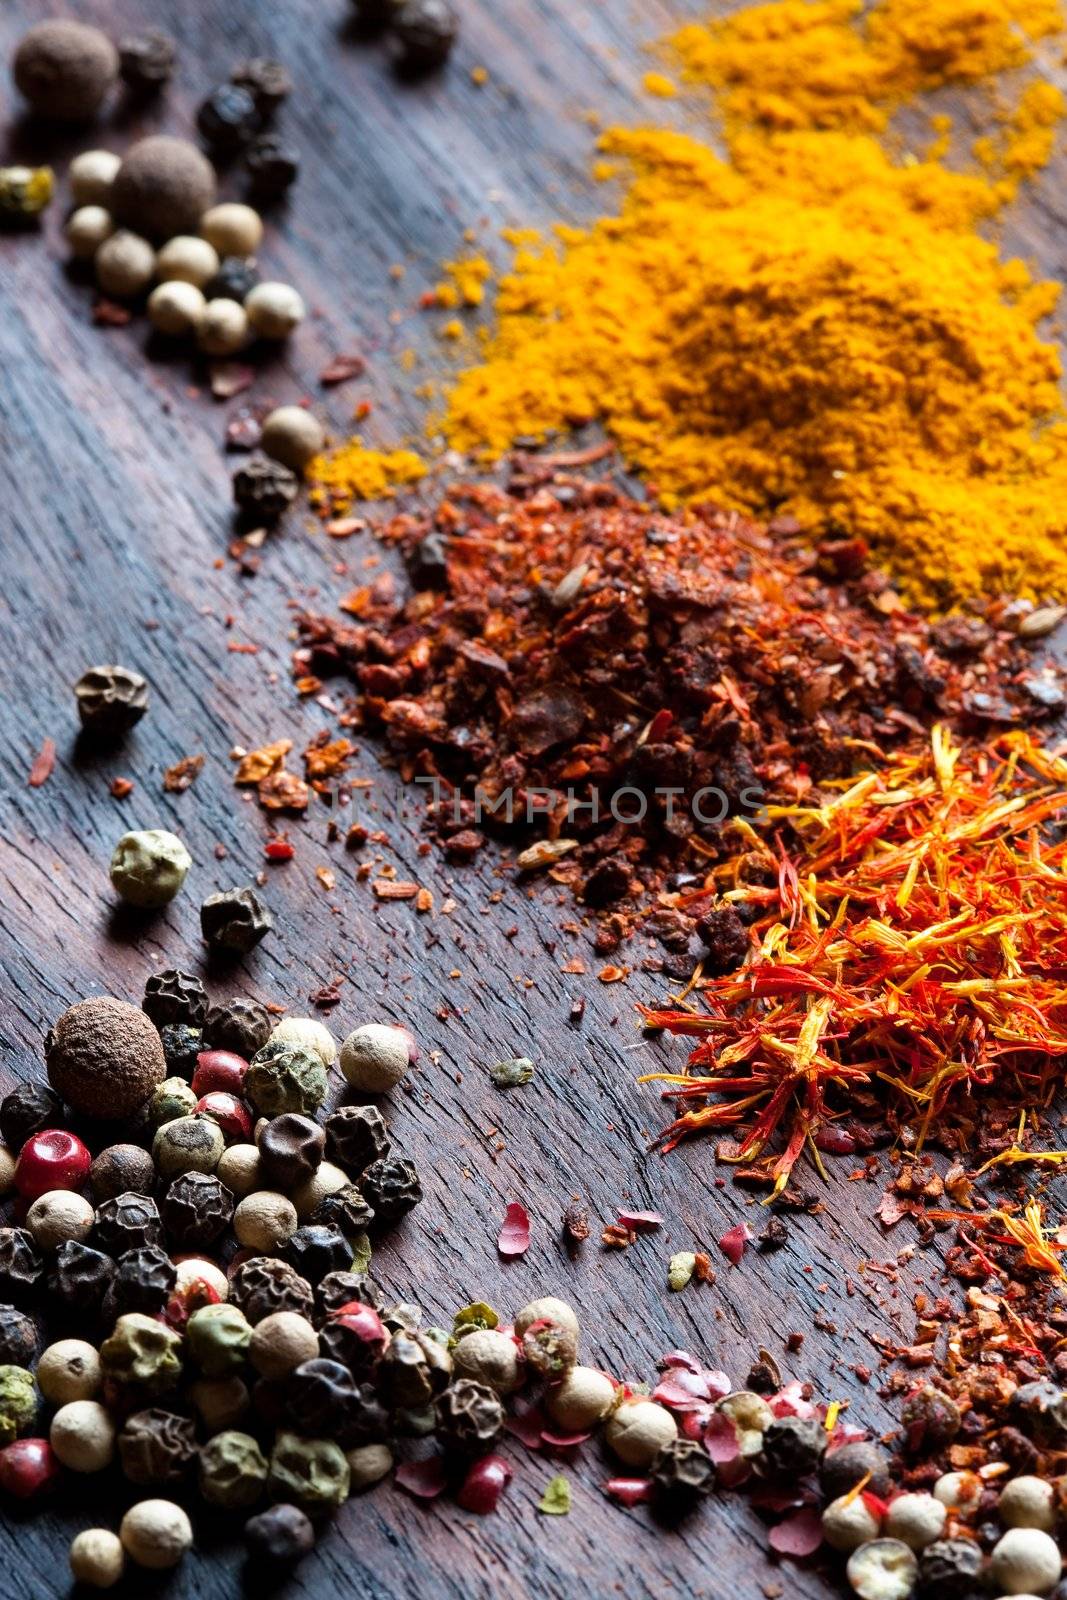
[219, 1069]
[52, 1159]
[365, 1324]
[27, 1467]
[231, 1114]
[484, 1484]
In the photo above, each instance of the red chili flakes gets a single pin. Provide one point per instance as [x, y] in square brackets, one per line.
[514, 1236]
[283, 791]
[734, 1243]
[617, 1237]
[43, 763]
[258, 764]
[424, 901]
[121, 787]
[326, 760]
[327, 877]
[309, 684]
[345, 527]
[278, 850]
[327, 997]
[390, 889]
[183, 774]
[342, 368]
[241, 647]
[612, 974]
[108, 314]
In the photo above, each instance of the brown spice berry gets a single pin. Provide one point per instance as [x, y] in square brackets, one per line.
[64, 69]
[157, 1448]
[290, 1150]
[242, 1026]
[104, 1057]
[235, 920]
[264, 488]
[122, 1169]
[163, 187]
[356, 1136]
[146, 61]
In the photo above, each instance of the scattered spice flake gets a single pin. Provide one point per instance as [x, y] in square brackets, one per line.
[278, 850]
[512, 1073]
[230, 378]
[720, 1439]
[258, 764]
[799, 1535]
[121, 787]
[527, 1426]
[43, 763]
[575, 1226]
[345, 527]
[327, 877]
[514, 1236]
[615, 1237]
[424, 1479]
[640, 1221]
[483, 1485]
[424, 901]
[283, 791]
[544, 853]
[244, 429]
[108, 314]
[183, 774]
[734, 1243]
[327, 760]
[390, 889]
[562, 1441]
[629, 1491]
[556, 1500]
[341, 369]
[612, 974]
[327, 997]
[242, 647]
[680, 1270]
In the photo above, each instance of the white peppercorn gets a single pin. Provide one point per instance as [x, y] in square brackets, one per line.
[223, 328]
[304, 1032]
[326, 1179]
[58, 1215]
[86, 229]
[232, 229]
[1025, 1561]
[958, 1491]
[547, 1309]
[83, 1436]
[238, 1169]
[368, 1465]
[219, 1402]
[156, 1534]
[583, 1398]
[294, 436]
[375, 1057]
[175, 308]
[638, 1430]
[187, 259]
[916, 1519]
[849, 1522]
[125, 264]
[97, 1558]
[274, 310]
[489, 1357]
[69, 1370]
[264, 1221]
[193, 1269]
[91, 175]
[281, 1342]
[884, 1569]
[1028, 1502]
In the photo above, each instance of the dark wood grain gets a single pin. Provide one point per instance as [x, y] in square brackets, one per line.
[114, 487]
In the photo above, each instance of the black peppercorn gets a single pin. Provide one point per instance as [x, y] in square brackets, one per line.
[345, 1209]
[181, 1046]
[80, 1277]
[339, 1289]
[235, 920]
[197, 1208]
[315, 1251]
[413, 1369]
[279, 1537]
[143, 1280]
[683, 1471]
[356, 1136]
[469, 1416]
[264, 488]
[425, 30]
[931, 1419]
[949, 1569]
[146, 61]
[273, 167]
[121, 1169]
[1039, 1410]
[111, 700]
[403, 1316]
[264, 1284]
[28, 1109]
[21, 1263]
[320, 1397]
[392, 1187]
[267, 81]
[228, 118]
[368, 1420]
[792, 1447]
[18, 1337]
[843, 1468]
[157, 1448]
[242, 1026]
[427, 562]
[127, 1221]
[173, 996]
[290, 1150]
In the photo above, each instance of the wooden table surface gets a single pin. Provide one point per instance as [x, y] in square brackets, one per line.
[114, 486]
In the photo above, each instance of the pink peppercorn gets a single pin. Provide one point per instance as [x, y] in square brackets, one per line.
[52, 1159]
[486, 1481]
[231, 1114]
[219, 1069]
[28, 1467]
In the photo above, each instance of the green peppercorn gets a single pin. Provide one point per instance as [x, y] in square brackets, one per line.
[311, 1472]
[171, 1099]
[187, 1144]
[25, 191]
[233, 1470]
[143, 1354]
[18, 1402]
[282, 1077]
[217, 1337]
[148, 867]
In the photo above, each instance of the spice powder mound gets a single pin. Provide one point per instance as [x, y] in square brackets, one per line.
[630, 678]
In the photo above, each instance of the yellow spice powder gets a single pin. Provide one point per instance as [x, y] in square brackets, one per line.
[353, 472]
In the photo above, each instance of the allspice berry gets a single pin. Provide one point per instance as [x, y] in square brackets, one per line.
[64, 69]
[104, 1057]
[163, 187]
[264, 1221]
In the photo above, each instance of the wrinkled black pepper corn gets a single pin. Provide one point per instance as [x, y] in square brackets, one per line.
[950, 1569]
[291, 1148]
[264, 1284]
[356, 1136]
[146, 61]
[281, 1536]
[121, 1169]
[127, 1221]
[470, 1417]
[412, 1370]
[173, 996]
[235, 920]
[264, 488]
[144, 1277]
[110, 700]
[340, 1288]
[793, 1446]
[320, 1397]
[181, 1046]
[683, 1471]
[18, 1337]
[345, 1209]
[242, 1026]
[21, 1264]
[228, 118]
[316, 1250]
[843, 1468]
[157, 1448]
[1039, 1410]
[368, 1420]
[196, 1209]
[273, 166]
[28, 1109]
[267, 81]
[80, 1276]
[426, 31]
[392, 1187]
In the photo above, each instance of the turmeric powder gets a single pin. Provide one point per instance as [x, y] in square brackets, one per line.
[810, 325]
[354, 472]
